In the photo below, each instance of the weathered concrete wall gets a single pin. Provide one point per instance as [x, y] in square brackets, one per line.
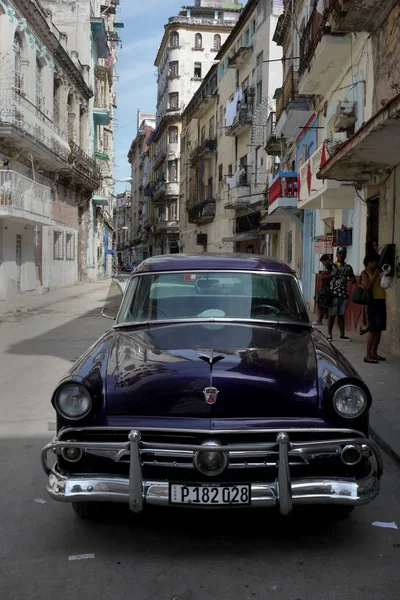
[386, 56]
[389, 233]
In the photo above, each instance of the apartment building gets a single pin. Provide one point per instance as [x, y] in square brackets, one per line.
[138, 157]
[226, 171]
[46, 171]
[189, 47]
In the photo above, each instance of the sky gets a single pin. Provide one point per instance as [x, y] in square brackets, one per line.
[137, 86]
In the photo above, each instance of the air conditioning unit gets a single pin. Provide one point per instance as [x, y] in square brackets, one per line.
[346, 115]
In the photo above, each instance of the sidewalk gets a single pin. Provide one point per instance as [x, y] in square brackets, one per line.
[29, 302]
[383, 380]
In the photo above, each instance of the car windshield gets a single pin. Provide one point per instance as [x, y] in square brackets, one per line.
[219, 295]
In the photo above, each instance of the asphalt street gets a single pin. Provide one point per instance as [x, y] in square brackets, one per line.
[163, 554]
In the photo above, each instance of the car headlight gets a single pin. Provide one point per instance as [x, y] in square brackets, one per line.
[350, 401]
[73, 401]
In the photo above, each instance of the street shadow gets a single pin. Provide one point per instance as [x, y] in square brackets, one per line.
[68, 341]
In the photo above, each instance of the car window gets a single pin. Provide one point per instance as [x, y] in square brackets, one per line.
[168, 296]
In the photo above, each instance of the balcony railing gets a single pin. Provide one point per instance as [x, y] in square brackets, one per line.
[21, 196]
[273, 145]
[287, 92]
[242, 120]
[18, 112]
[203, 212]
[206, 148]
[84, 165]
[240, 57]
[313, 33]
[248, 222]
[283, 186]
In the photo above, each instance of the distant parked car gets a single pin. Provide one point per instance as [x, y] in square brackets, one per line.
[212, 389]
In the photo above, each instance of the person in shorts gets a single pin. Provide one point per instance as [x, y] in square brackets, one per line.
[371, 280]
[327, 266]
[341, 274]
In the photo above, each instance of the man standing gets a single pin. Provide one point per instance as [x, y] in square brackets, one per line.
[341, 274]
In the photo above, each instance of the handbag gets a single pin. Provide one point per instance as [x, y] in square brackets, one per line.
[361, 296]
[324, 297]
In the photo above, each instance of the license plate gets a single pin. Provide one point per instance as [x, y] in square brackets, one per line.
[209, 495]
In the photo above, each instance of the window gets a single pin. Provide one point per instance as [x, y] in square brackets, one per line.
[230, 170]
[58, 245]
[174, 39]
[39, 86]
[290, 246]
[173, 100]
[198, 41]
[19, 77]
[217, 41]
[203, 135]
[172, 171]
[220, 172]
[173, 135]
[173, 69]
[211, 128]
[246, 295]
[173, 211]
[197, 70]
[247, 37]
[260, 59]
[253, 27]
[70, 246]
[221, 120]
[259, 92]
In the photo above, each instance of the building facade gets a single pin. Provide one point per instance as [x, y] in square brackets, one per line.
[188, 50]
[46, 171]
[226, 171]
[138, 158]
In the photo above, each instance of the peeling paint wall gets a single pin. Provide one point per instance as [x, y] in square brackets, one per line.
[386, 56]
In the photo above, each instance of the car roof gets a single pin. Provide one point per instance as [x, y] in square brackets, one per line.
[209, 260]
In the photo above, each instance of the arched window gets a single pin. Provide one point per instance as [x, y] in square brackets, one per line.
[174, 39]
[39, 86]
[198, 41]
[217, 41]
[18, 57]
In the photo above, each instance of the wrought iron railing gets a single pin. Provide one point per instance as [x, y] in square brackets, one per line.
[21, 193]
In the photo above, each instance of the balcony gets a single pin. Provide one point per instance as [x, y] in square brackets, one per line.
[28, 129]
[24, 200]
[101, 111]
[239, 58]
[247, 227]
[239, 189]
[242, 121]
[322, 55]
[86, 171]
[283, 192]
[204, 210]
[322, 194]
[159, 157]
[203, 102]
[352, 16]
[273, 146]
[149, 190]
[374, 147]
[206, 149]
[162, 224]
[166, 190]
[100, 37]
[292, 110]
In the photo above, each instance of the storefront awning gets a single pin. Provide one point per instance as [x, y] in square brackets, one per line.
[375, 146]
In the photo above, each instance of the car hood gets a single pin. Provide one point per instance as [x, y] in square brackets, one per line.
[258, 370]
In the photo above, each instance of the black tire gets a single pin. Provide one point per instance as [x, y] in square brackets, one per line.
[89, 511]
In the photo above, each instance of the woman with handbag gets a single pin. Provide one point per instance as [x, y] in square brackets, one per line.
[376, 308]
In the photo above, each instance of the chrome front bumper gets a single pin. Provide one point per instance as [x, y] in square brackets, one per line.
[284, 492]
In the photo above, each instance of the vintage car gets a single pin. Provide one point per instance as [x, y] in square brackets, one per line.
[212, 389]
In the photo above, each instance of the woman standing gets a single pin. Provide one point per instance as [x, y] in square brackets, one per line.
[370, 280]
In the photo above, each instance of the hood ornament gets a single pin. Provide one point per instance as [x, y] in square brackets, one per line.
[210, 357]
[210, 395]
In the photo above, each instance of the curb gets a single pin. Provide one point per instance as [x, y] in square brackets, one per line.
[386, 436]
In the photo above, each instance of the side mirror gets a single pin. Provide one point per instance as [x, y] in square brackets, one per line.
[113, 301]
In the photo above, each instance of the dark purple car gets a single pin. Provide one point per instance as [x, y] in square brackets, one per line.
[212, 389]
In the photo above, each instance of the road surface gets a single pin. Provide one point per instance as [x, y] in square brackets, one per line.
[162, 555]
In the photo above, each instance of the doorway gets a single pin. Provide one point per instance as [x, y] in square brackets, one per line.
[18, 261]
[373, 219]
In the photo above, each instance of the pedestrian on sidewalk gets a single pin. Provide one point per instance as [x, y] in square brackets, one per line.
[371, 280]
[324, 295]
[341, 274]
[372, 248]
